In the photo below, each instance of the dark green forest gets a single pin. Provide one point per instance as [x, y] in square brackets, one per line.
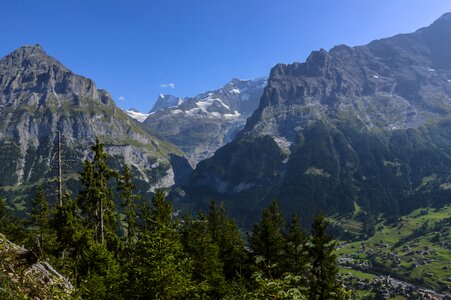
[112, 244]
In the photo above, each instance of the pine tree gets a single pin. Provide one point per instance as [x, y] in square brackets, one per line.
[69, 230]
[267, 240]
[227, 237]
[161, 270]
[40, 214]
[323, 274]
[295, 249]
[128, 202]
[10, 225]
[96, 200]
[204, 253]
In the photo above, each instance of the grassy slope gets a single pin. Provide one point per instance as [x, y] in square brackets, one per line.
[421, 259]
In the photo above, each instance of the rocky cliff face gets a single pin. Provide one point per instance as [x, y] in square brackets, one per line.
[366, 125]
[202, 124]
[40, 97]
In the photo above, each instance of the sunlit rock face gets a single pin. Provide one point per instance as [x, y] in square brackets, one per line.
[202, 124]
[366, 125]
[40, 97]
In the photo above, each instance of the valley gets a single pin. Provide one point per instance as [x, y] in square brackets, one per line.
[328, 178]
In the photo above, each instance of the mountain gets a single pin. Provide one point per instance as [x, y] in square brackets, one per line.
[202, 124]
[40, 97]
[166, 101]
[367, 126]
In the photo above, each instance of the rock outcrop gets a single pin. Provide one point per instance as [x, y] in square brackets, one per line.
[33, 279]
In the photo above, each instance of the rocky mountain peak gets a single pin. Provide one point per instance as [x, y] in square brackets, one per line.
[346, 126]
[166, 101]
[391, 83]
[30, 56]
[29, 71]
[444, 18]
[40, 98]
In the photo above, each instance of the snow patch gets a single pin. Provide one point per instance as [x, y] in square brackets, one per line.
[234, 115]
[207, 102]
[431, 70]
[137, 115]
[375, 76]
[235, 91]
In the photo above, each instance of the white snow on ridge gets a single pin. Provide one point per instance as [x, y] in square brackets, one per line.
[431, 70]
[235, 91]
[234, 115]
[137, 115]
[204, 103]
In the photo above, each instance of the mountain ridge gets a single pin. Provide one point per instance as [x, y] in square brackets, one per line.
[201, 124]
[366, 125]
[40, 97]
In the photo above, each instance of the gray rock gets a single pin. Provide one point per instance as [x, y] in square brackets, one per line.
[39, 97]
[202, 124]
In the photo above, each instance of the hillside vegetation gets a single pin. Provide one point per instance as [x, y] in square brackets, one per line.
[415, 248]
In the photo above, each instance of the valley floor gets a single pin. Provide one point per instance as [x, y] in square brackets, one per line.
[410, 255]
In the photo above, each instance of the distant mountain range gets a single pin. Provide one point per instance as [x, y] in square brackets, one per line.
[367, 126]
[40, 97]
[200, 125]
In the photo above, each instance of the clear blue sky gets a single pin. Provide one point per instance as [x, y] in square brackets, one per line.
[138, 49]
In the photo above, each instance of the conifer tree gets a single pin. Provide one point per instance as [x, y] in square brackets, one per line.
[323, 274]
[10, 225]
[96, 200]
[67, 226]
[204, 253]
[128, 202]
[267, 240]
[161, 270]
[40, 214]
[295, 249]
[227, 237]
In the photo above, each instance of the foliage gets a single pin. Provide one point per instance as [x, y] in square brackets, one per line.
[162, 270]
[323, 274]
[150, 254]
[267, 240]
[287, 287]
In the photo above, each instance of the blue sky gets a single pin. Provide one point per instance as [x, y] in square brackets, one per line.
[138, 49]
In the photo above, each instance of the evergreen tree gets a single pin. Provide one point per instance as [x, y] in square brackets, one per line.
[323, 274]
[227, 237]
[96, 200]
[207, 266]
[161, 270]
[10, 225]
[128, 202]
[267, 240]
[295, 249]
[40, 214]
